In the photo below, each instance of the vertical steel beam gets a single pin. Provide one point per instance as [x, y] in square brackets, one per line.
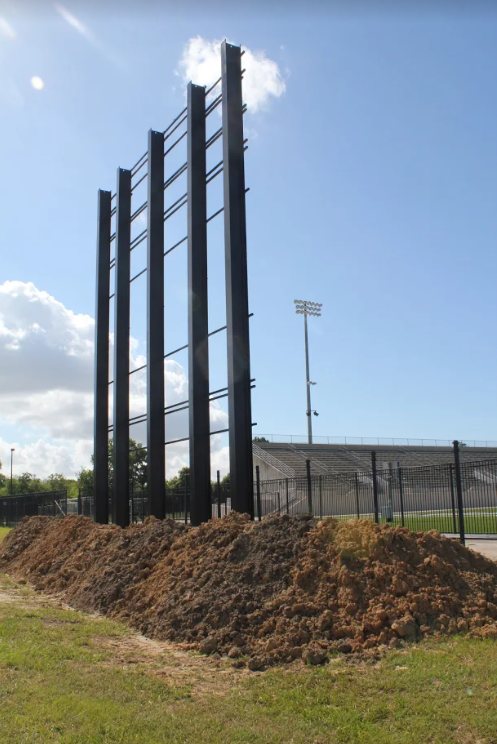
[121, 350]
[101, 377]
[239, 397]
[156, 457]
[198, 328]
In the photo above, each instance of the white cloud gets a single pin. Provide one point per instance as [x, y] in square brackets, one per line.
[46, 387]
[43, 346]
[41, 458]
[262, 80]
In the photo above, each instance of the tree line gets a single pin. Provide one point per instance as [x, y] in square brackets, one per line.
[30, 483]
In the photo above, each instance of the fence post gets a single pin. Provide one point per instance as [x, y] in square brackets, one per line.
[309, 485]
[186, 502]
[218, 486]
[287, 501]
[356, 478]
[460, 505]
[258, 487]
[80, 509]
[320, 497]
[375, 486]
[453, 500]
[401, 494]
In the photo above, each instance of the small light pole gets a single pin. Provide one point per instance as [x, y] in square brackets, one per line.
[12, 450]
[305, 308]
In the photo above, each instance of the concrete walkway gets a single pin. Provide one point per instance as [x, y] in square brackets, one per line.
[486, 547]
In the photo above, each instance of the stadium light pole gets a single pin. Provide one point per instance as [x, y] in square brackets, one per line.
[11, 465]
[305, 308]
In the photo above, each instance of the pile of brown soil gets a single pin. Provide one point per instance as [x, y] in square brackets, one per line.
[263, 593]
[92, 566]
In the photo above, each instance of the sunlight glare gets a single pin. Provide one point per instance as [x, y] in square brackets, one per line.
[71, 19]
[37, 83]
[6, 29]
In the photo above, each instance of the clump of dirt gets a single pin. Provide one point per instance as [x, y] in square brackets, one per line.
[263, 593]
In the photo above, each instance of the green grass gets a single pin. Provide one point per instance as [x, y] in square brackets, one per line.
[3, 532]
[476, 521]
[478, 524]
[62, 680]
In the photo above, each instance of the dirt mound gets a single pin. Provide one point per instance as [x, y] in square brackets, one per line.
[262, 593]
[92, 565]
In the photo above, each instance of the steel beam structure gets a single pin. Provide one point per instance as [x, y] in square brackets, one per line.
[155, 327]
[198, 327]
[101, 377]
[237, 315]
[120, 502]
[237, 311]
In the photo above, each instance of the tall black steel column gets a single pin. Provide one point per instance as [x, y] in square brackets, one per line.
[101, 379]
[239, 397]
[198, 327]
[155, 327]
[121, 350]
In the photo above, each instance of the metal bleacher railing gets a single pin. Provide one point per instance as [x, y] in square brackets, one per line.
[372, 441]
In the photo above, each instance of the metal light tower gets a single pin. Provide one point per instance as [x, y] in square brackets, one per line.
[305, 308]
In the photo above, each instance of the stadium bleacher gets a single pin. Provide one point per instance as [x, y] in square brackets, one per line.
[280, 460]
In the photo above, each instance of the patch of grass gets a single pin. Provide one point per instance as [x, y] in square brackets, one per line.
[3, 532]
[476, 521]
[64, 680]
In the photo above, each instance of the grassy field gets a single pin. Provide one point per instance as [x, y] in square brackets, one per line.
[3, 532]
[71, 678]
[476, 521]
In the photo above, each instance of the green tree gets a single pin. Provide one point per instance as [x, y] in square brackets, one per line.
[58, 482]
[27, 483]
[260, 439]
[3, 479]
[178, 481]
[85, 479]
[137, 467]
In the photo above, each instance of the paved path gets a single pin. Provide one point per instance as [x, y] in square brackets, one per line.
[486, 547]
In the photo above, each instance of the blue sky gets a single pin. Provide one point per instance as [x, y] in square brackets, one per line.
[373, 184]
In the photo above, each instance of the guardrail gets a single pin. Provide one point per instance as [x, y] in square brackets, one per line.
[376, 441]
